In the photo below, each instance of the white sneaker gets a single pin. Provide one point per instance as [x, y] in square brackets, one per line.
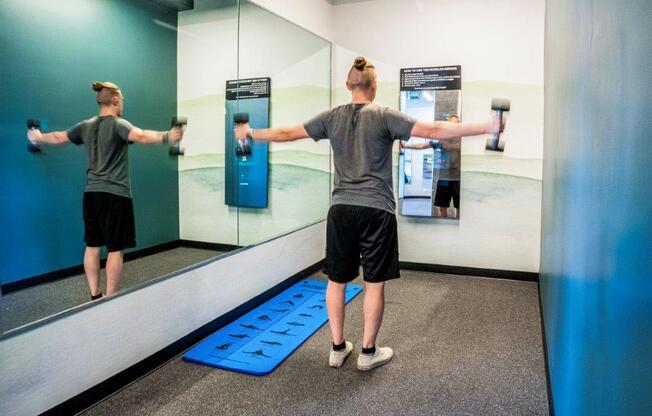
[337, 358]
[367, 362]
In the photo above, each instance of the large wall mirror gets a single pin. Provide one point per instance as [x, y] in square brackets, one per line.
[298, 64]
[429, 169]
[175, 60]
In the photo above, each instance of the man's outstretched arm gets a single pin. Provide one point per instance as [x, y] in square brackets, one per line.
[53, 137]
[444, 130]
[275, 134]
[173, 135]
[416, 146]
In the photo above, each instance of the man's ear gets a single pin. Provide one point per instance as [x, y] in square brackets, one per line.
[348, 86]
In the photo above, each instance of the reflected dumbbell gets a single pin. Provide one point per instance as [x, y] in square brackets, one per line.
[175, 149]
[33, 124]
[243, 147]
[499, 105]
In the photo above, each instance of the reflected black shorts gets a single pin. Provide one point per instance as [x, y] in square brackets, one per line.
[357, 234]
[447, 190]
[109, 221]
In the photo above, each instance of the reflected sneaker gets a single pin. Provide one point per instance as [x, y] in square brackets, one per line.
[337, 358]
[368, 362]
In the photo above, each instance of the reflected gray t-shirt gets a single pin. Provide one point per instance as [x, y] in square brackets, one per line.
[362, 136]
[106, 139]
[453, 149]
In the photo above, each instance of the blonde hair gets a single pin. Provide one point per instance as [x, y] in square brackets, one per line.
[105, 92]
[361, 75]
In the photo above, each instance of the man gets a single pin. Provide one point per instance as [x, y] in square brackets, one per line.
[108, 208]
[361, 225]
[447, 186]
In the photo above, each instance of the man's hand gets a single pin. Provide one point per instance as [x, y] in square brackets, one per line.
[496, 125]
[241, 130]
[35, 136]
[175, 134]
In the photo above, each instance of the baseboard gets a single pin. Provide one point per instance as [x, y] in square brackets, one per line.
[470, 271]
[79, 269]
[7, 288]
[117, 382]
[551, 407]
[209, 246]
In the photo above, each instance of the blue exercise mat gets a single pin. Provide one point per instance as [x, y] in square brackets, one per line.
[257, 342]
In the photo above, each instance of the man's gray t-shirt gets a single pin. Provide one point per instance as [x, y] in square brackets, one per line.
[106, 139]
[362, 136]
[453, 148]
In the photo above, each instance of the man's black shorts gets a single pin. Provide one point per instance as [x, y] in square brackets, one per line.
[447, 190]
[355, 234]
[109, 221]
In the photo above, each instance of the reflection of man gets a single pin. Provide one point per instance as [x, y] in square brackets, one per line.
[108, 208]
[448, 184]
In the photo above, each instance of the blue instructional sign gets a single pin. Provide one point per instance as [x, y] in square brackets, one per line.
[247, 175]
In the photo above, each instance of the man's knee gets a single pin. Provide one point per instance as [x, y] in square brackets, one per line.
[374, 285]
[336, 285]
[374, 289]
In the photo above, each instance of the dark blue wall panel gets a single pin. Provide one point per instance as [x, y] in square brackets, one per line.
[51, 52]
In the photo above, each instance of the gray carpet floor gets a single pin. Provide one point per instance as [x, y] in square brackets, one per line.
[28, 305]
[463, 346]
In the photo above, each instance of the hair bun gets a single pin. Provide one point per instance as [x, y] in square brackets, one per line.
[97, 86]
[360, 63]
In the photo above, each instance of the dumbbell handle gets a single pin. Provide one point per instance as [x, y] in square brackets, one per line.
[244, 146]
[243, 118]
[178, 122]
[499, 115]
[28, 138]
[32, 146]
[499, 105]
[492, 144]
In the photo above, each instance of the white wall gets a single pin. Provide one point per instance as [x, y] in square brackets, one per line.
[505, 36]
[500, 47]
[47, 365]
[314, 15]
